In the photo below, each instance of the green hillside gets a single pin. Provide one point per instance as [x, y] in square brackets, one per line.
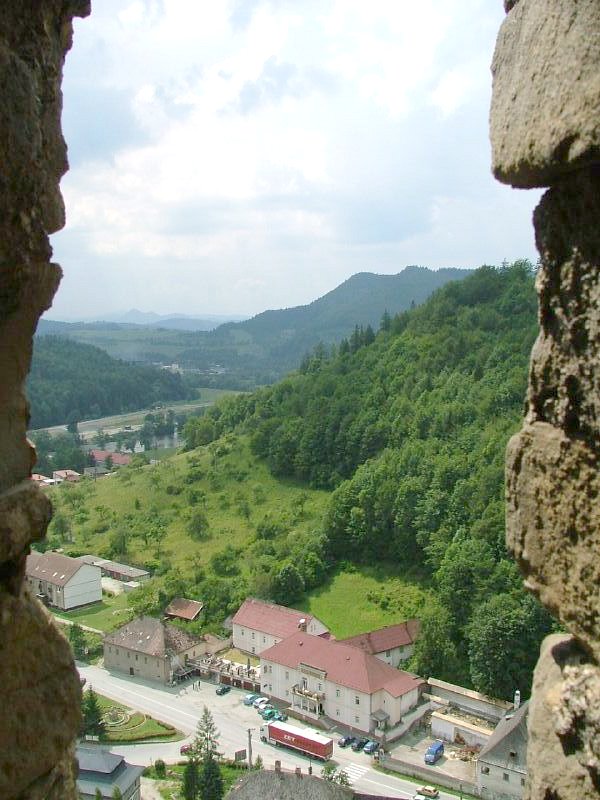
[366, 488]
[69, 380]
[262, 349]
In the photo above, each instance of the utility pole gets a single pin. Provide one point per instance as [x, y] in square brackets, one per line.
[250, 747]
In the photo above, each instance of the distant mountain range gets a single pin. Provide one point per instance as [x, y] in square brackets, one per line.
[179, 322]
[261, 349]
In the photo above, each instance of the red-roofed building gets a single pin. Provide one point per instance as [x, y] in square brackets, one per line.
[393, 644]
[258, 625]
[118, 459]
[318, 676]
[181, 608]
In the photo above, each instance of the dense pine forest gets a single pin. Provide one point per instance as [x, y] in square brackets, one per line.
[409, 429]
[71, 381]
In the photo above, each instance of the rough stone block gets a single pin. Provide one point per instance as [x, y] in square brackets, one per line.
[545, 113]
[564, 723]
[40, 694]
[553, 524]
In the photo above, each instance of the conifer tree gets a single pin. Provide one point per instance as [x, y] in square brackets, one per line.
[211, 782]
[191, 780]
[207, 736]
[93, 724]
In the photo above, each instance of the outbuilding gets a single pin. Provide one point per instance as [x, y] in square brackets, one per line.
[61, 581]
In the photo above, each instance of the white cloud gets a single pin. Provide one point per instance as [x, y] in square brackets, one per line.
[264, 150]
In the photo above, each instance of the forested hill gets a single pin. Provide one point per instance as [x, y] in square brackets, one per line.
[410, 430]
[261, 350]
[70, 381]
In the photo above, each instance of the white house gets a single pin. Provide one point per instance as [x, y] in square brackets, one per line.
[502, 763]
[64, 582]
[318, 677]
[393, 644]
[258, 625]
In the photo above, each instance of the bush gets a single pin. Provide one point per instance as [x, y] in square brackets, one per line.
[160, 768]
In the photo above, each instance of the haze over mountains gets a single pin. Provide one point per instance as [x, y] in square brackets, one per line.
[262, 349]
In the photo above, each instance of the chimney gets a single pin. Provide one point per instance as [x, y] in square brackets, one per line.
[302, 625]
[517, 702]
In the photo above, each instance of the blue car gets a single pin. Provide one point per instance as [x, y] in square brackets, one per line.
[371, 747]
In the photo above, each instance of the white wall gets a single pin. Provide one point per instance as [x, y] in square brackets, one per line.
[397, 655]
[494, 786]
[84, 587]
[253, 641]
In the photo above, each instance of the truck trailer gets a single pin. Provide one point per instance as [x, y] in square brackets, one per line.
[308, 742]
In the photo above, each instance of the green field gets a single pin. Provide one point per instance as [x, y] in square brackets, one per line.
[364, 599]
[106, 615]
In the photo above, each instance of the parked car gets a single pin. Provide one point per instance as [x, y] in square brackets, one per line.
[265, 707]
[346, 741]
[223, 689]
[260, 701]
[359, 744]
[185, 749]
[428, 791]
[434, 752]
[371, 747]
[280, 716]
[268, 714]
[250, 698]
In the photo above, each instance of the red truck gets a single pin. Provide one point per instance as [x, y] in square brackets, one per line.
[308, 742]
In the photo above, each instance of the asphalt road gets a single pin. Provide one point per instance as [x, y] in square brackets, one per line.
[182, 707]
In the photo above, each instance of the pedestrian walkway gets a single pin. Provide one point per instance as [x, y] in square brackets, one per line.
[355, 771]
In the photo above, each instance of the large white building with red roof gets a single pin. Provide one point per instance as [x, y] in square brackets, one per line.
[258, 625]
[318, 676]
[393, 644]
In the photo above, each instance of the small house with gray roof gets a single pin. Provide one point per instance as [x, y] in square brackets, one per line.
[61, 581]
[502, 764]
[99, 769]
[151, 649]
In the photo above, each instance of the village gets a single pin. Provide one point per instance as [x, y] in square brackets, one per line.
[290, 665]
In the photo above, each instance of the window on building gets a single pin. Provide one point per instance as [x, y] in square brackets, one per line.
[242, 631]
[145, 660]
[485, 770]
[254, 649]
[505, 776]
[264, 639]
[513, 753]
[337, 692]
[522, 781]
[388, 653]
[356, 700]
[337, 712]
[128, 654]
[287, 676]
[136, 656]
[270, 688]
[320, 687]
[253, 634]
[357, 720]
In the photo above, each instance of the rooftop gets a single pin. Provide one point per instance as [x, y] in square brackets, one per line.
[52, 567]
[114, 566]
[269, 618]
[152, 637]
[400, 635]
[343, 664]
[184, 609]
[507, 746]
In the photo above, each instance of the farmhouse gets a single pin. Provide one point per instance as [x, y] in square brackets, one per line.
[258, 625]
[151, 649]
[180, 608]
[502, 764]
[117, 459]
[393, 644]
[106, 771]
[69, 475]
[320, 677]
[62, 581]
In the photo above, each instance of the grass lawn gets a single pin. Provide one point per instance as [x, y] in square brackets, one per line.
[134, 726]
[106, 615]
[364, 599]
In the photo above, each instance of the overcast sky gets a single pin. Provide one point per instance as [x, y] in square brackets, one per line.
[236, 155]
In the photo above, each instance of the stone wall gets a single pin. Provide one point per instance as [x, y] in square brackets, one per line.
[545, 131]
[39, 691]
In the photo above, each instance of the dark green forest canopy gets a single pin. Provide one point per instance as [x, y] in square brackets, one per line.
[70, 381]
[409, 427]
